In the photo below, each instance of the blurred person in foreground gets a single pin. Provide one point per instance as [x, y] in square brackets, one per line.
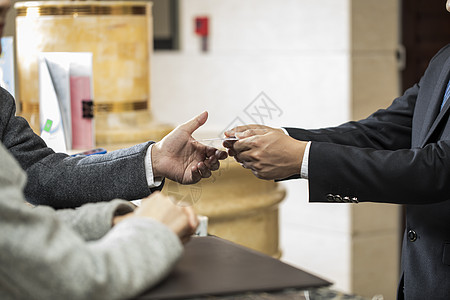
[106, 250]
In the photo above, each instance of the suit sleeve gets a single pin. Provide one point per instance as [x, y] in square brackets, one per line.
[388, 128]
[373, 159]
[406, 176]
[60, 181]
[385, 129]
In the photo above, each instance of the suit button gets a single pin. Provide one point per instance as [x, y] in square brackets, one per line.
[330, 197]
[412, 235]
[346, 199]
[338, 198]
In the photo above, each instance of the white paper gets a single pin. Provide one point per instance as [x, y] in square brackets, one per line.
[49, 109]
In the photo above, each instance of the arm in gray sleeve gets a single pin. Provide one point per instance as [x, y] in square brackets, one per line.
[42, 258]
[93, 220]
[61, 181]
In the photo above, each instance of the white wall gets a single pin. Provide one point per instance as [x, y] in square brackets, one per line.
[297, 53]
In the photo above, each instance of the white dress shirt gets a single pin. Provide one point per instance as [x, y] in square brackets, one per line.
[151, 180]
[304, 168]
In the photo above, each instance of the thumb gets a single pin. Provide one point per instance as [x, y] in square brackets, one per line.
[193, 124]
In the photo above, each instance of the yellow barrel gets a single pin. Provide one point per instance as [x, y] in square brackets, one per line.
[119, 34]
[240, 207]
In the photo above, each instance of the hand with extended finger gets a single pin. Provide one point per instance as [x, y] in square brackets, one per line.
[179, 157]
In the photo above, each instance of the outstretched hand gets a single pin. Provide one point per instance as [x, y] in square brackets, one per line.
[179, 157]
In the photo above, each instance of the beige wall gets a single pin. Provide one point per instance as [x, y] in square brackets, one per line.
[374, 83]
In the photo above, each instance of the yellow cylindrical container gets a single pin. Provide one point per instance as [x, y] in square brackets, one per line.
[240, 207]
[119, 34]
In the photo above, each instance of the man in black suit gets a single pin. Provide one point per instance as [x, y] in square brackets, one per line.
[397, 155]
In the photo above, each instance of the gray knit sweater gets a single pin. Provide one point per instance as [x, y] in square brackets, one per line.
[75, 254]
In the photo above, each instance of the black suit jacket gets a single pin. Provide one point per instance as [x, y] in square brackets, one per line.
[397, 155]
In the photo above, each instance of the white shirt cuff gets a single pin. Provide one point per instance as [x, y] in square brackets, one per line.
[304, 169]
[151, 180]
[284, 130]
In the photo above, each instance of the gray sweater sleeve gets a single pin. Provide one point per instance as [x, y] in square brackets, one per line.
[43, 258]
[93, 220]
[61, 181]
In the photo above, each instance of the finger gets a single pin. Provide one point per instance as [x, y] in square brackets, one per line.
[238, 158]
[193, 124]
[186, 232]
[212, 163]
[213, 155]
[210, 151]
[245, 157]
[203, 169]
[232, 152]
[211, 160]
[243, 145]
[228, 144]
[216, 153]
[231, 132]
[192, 218]
[195, 174]
[250, 132]
[220, 154]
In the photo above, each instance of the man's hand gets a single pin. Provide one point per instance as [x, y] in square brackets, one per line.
[268, 152]
[244, 128]
[179, 157]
